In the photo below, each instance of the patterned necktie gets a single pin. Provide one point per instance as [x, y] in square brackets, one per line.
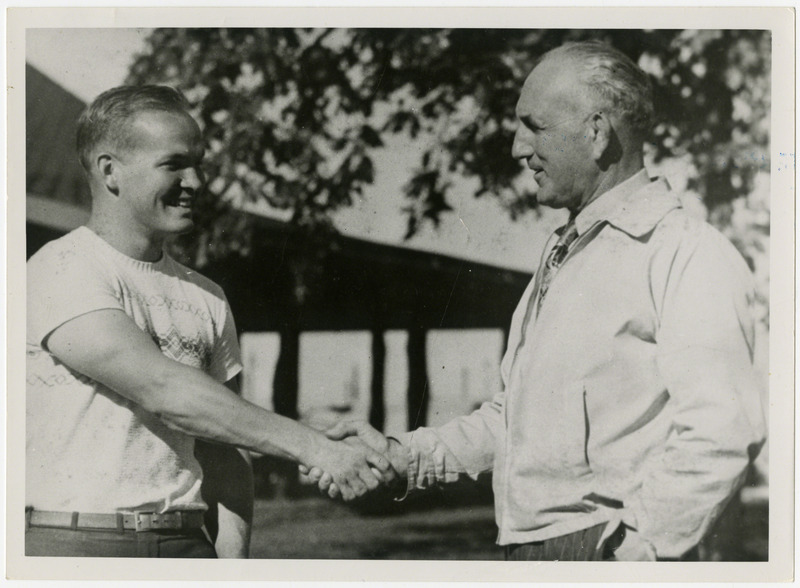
[558, 253]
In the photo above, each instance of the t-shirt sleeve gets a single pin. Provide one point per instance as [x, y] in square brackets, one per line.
[226, 359]
[62, 285]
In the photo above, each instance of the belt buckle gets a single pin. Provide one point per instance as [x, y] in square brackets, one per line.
[150, 521]
[143, 521]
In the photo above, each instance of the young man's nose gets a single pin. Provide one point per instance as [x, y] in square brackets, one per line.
[192, 178]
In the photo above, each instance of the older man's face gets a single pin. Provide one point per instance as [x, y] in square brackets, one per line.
[553, 135]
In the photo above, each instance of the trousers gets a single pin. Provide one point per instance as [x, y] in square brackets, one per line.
[42, 541]
[581, 545]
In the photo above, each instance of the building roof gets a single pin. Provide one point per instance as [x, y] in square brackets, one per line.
[352, 283]
[52, 170]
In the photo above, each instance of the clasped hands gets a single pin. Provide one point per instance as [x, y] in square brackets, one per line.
[386, 459]
[394, 464]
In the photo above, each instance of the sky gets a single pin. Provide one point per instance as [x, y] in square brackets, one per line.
[89, 61]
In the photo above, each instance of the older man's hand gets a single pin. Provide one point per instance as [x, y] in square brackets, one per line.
[352, 466]
[359, 432]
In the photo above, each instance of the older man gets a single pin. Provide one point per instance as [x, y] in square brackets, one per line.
[630, 410]
[132, 356]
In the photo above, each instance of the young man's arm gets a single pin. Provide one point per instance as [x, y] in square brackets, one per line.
[228, 492]
[107, 346]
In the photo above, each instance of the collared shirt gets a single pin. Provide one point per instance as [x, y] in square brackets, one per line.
[632, 395]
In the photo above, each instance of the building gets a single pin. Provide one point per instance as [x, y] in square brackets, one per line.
[392, 309]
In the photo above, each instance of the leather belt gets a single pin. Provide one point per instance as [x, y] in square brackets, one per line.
[180, 520]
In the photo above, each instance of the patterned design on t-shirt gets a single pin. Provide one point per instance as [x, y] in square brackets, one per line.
[65, 377]
[164, 302]
[192, 351]
[136, 460]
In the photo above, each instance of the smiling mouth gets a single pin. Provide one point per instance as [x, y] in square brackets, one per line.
[183, 204]
[179, 199]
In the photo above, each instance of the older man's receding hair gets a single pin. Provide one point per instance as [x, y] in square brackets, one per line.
[107, 118]
[616, 81]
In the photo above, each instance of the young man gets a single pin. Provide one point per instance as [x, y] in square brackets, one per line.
[132, 357]
[630, 411]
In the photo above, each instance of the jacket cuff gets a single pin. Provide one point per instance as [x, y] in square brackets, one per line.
[410, 469]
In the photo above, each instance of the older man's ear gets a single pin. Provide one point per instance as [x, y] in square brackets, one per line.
[607, 148]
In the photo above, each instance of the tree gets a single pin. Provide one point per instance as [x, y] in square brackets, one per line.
[293, 116]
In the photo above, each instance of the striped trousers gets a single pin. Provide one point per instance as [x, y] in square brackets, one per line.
[581, 545]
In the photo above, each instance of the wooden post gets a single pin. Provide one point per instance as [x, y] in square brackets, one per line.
[377, 409]
[417, 378]
[287, 370]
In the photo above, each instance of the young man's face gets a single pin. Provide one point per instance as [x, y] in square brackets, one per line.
[159, 175]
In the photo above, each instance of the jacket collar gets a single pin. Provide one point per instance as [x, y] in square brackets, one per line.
[635, 206]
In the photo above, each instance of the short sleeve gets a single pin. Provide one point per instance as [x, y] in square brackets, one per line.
[63, 284]
[226, 361]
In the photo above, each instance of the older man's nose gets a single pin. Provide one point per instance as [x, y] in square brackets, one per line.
[523, 144]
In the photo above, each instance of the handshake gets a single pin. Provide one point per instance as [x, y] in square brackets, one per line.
[372, 460]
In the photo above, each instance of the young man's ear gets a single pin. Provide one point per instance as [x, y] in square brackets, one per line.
[107, 169]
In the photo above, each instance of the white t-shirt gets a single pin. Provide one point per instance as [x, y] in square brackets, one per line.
[89, 449]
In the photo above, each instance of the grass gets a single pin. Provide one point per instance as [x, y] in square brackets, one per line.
[316, 528]
[454, 523]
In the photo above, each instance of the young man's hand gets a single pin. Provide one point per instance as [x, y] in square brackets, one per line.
[352, 466]
[356, 433]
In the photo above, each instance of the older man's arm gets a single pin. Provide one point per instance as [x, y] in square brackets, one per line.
[705, 357]
[464, 446]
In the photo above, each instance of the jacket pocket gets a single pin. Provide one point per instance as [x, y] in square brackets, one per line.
[560, 429]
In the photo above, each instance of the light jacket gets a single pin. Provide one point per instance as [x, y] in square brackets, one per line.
[632, 395]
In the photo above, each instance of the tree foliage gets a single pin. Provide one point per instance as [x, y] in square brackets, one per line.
[293, 117]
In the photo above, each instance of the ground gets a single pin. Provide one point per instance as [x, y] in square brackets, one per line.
[322, 529]
[317, 528]
[455, 522]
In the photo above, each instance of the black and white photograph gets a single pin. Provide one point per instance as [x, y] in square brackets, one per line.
[452, 288]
